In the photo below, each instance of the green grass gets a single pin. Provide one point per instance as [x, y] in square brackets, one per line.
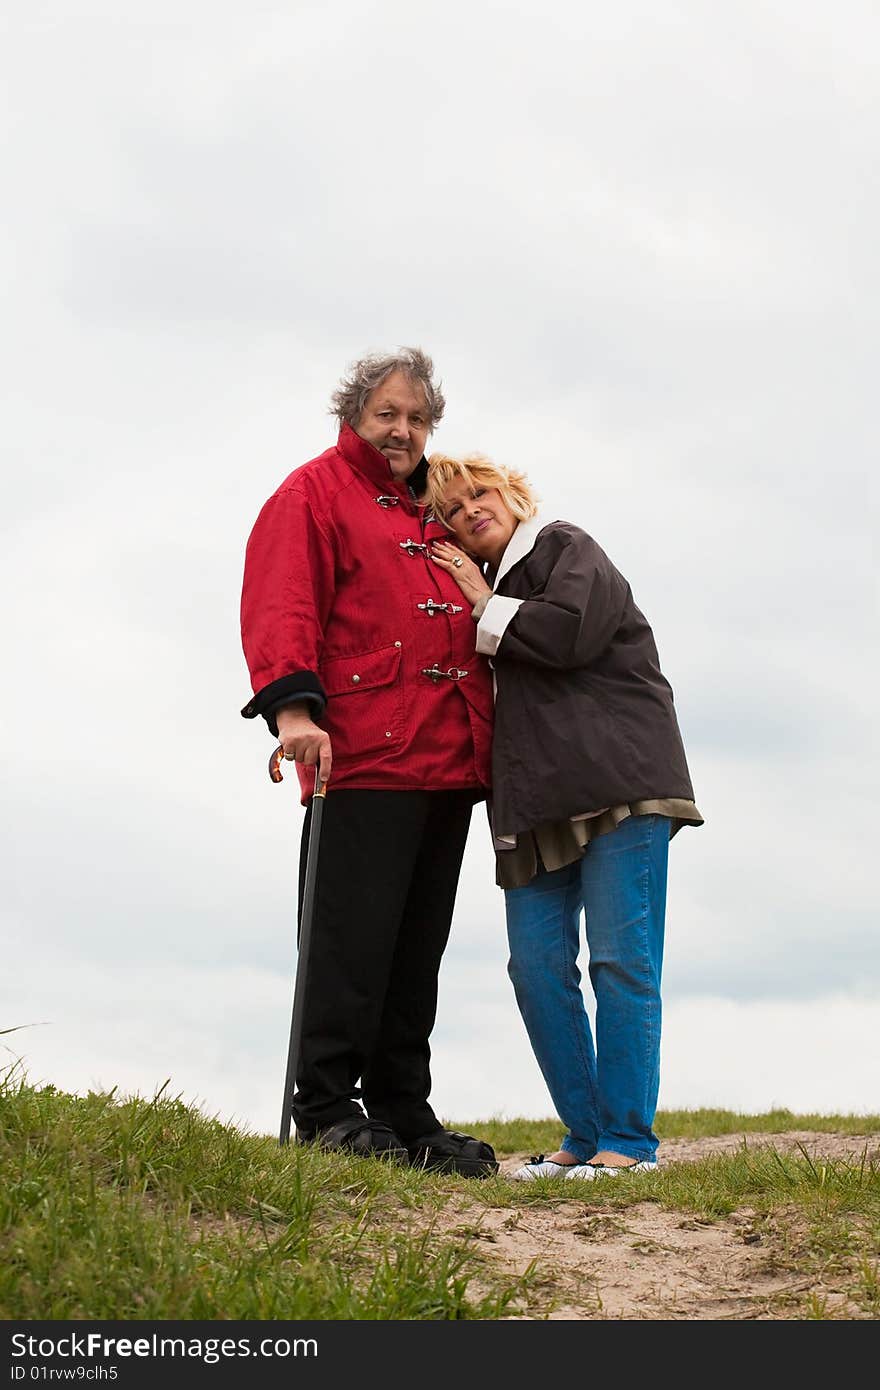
[543, 1136]
[127, 1208]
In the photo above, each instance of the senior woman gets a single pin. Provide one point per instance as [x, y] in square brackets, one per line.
[589, 783]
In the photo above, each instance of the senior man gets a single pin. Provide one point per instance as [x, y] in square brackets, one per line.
[362, 661]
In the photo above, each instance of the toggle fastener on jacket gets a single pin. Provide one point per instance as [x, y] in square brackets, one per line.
[455, 673]
[431, 607]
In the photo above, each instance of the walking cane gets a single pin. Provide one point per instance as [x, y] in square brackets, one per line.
[305, 931]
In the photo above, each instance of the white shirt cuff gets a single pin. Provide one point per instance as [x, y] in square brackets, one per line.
[499, 611]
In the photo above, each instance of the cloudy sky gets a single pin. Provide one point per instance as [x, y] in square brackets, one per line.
[640, 243]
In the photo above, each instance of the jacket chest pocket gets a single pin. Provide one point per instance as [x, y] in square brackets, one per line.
[364, 710]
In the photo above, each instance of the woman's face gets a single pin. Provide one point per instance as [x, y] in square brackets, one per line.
[479, 518]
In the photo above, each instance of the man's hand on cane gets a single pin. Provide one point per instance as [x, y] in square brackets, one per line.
[302, 741]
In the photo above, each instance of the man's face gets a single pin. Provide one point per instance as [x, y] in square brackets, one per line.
[395, 421]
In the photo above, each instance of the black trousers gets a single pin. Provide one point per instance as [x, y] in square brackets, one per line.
[387, 876]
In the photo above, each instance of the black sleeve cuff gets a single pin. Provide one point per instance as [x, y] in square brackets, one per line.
[300, 685]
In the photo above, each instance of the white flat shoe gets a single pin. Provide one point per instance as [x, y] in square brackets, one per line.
[541, 1167]
[589, 1172]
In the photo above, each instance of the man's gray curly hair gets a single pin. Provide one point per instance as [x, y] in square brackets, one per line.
[364, 375]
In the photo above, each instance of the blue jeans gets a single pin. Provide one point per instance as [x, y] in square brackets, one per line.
[605, 1094]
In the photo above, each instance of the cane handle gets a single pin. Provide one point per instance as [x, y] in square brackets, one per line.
[276, 775]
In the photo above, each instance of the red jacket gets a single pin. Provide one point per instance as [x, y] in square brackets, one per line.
[341, 604]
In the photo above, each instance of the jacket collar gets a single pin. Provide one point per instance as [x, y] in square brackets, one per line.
[374, 465]
[519, 545]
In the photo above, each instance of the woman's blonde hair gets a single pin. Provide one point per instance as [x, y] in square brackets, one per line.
[477, 470]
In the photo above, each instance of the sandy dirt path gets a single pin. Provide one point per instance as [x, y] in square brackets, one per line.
[642, 1262]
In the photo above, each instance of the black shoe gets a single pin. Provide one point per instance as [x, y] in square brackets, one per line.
[447, 1151]
[357, 1134]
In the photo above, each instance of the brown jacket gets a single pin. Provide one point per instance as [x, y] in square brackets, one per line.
[584, 717]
